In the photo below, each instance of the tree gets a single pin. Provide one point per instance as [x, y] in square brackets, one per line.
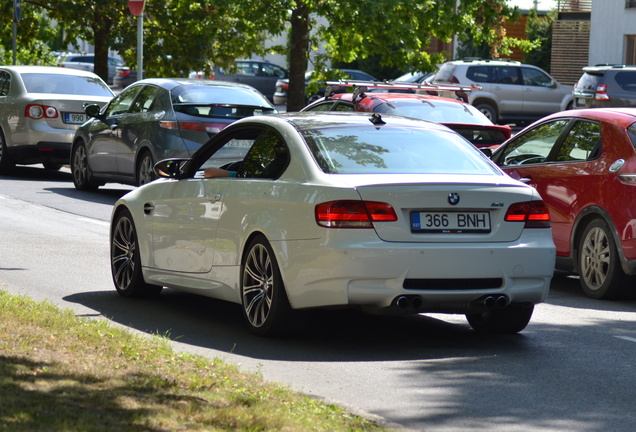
[35, 35]
[397, 33]
[540, 29]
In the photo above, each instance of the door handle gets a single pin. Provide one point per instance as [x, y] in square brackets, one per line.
[148, 208]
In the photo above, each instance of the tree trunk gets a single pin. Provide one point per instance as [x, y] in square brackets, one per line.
[101, 30]
[298, 53]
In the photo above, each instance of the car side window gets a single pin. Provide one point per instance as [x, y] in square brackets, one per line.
[122, 103]
[267, 158]
[326, 106]
[533, 146]
[5, 81]
[149, 99]
[506, 75]
[582, 143]
[534, 77]
[480, 74]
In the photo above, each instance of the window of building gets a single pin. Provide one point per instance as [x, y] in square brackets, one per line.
[630, 53]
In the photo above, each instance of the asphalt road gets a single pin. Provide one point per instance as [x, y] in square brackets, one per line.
[572, 369]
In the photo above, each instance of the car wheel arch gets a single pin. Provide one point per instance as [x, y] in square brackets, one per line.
[245, 251]
[586, 216]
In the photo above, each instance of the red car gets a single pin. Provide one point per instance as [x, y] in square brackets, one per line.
[455, 114]
[583, 164]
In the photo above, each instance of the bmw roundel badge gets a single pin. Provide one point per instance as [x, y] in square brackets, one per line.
[453, 198]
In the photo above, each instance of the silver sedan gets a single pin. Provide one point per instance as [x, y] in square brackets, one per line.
[40, 109]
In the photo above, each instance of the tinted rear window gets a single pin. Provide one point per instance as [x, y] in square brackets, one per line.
[589, 81]
[214, 95]
[437, 111]
[65, 85]
[394, 150]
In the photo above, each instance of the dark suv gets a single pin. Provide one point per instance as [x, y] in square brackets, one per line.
[606, 86]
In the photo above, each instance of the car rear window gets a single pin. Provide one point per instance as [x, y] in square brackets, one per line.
[445, 73]
[589, 81]
[65, 84]
[394, 150]
[435, 110]
[217, 101]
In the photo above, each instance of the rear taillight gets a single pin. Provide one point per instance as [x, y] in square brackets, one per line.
[601, 93]
[534, 213]
[36, 111]
[454, 80]
[353, 214]
[284, 86]
[211, 128]
[124, 73]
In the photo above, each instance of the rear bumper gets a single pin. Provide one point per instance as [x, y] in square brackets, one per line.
[42, 152]
[440, 276]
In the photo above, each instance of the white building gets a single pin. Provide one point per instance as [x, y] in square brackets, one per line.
[613, 32]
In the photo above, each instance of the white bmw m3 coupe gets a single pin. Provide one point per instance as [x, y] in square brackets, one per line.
[281, 213]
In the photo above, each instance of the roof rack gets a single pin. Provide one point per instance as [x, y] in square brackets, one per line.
[393, 85]
[362, 86]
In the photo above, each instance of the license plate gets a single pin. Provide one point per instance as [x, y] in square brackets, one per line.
[74, 118]
[450, 222]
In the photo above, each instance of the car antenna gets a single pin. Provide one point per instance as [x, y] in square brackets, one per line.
[376, 119]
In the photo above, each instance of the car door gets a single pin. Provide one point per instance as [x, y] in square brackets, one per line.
[541, 95]
[506, 84]
[139, 128]
[105, 134]
[184, 220]
[557, 159]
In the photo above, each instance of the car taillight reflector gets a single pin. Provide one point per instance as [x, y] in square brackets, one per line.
[353, 214]
[534, 213]
[36, 111]
[214, 128]
[601, 93]
[167, 124]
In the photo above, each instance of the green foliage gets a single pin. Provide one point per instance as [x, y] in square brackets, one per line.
[539, 28]
[34, 36]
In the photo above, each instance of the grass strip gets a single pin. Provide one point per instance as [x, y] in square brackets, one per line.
[60, 372]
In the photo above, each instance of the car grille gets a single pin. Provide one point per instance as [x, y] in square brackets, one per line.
[452, 284]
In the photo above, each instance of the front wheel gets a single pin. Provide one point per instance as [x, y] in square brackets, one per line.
[125, 260]
[600, 270]
[265, 304]
[509, 320]
[79, 168]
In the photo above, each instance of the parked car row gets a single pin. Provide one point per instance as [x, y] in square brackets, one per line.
[387, 170]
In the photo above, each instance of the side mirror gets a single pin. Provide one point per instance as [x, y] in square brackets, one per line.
[487, 152]
[170, 168]
[92, 110]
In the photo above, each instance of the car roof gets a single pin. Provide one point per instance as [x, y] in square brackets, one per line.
[621, 116]
[170, 83]
[317, 119]
[387, 97]
[48, 70]
[606, 67]
[486, 61]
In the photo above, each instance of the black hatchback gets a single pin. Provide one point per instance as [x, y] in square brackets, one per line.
[606, 86]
